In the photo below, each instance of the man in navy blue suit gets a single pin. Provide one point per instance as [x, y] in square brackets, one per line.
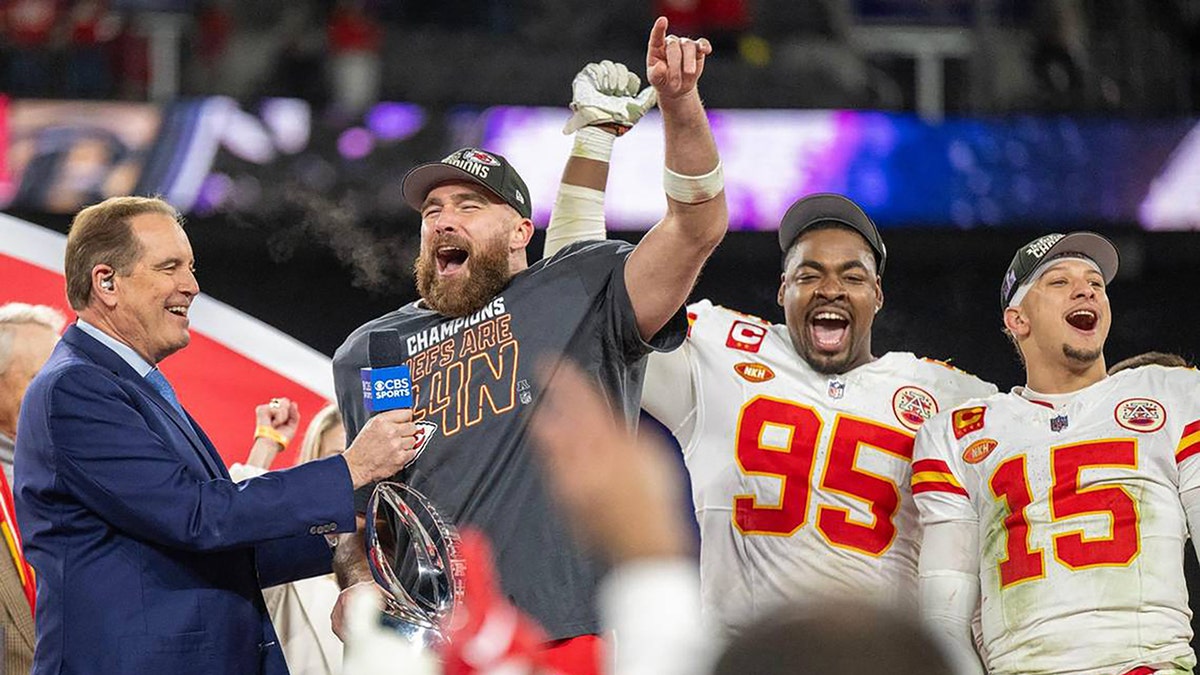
[148, 558]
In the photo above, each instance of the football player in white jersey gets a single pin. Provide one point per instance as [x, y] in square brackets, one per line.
[798, 439]
[1063, 505]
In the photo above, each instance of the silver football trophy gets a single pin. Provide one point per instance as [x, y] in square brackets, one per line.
[416, 558]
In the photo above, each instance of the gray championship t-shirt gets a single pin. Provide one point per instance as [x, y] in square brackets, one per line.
[475, 390]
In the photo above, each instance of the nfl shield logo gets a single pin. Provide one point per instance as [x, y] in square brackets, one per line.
[1058, 423]
[836, 388]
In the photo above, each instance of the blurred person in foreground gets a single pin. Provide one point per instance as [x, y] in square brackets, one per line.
[797, 437]
[28, 334]
[486, 316]
[149, 559]
[1064, 504]
[299, 610]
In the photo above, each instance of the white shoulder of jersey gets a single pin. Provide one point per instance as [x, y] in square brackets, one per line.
[706, 310]
[939, 480]
[948, 386]
[967, 383]
[1167, 378]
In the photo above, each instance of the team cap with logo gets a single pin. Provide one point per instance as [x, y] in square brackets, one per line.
[470, 164]
[827, 207]
[1033, 257]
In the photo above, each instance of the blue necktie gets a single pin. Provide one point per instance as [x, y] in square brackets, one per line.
[160, 384]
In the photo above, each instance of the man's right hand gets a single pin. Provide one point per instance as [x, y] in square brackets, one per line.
[606, 93]
[382, 448]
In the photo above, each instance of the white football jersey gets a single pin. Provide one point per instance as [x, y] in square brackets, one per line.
[800, 480]
[1081, 528]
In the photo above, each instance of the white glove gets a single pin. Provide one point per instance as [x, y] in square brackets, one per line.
[607, 93]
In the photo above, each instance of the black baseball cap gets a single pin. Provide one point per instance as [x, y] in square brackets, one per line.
[1029, 257]
[827, 207]
[470, 164]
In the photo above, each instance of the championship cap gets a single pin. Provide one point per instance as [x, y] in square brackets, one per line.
[1035, 254]
[470, 164]
[827, 207]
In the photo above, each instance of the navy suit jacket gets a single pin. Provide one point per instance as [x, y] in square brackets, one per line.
[148, 558]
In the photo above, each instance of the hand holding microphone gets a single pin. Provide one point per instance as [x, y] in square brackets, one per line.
[387, 441]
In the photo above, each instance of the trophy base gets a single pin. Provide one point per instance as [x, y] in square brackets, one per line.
[427, 637]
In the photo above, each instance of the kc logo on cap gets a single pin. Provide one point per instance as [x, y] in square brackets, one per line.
[481, 167]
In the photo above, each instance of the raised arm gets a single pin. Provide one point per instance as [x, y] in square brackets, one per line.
[606, 103]
[664, 266]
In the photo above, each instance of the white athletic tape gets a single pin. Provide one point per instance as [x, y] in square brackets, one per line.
[693, 189]
[593, 143]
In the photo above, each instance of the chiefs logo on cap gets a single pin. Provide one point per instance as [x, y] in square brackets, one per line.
[913, 406]
[967, 420]
[746, 337]
[979, 450]
[754, 372]
[425, 432]
[1140, 414]
[480, 157]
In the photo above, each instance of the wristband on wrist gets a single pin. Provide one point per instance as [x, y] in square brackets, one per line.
[264, 431]
[693, 189]
[593, 143]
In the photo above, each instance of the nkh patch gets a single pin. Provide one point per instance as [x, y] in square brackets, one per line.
[979, 450]
[754, 372]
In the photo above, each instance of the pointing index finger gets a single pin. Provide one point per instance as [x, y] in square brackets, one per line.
[658, 35]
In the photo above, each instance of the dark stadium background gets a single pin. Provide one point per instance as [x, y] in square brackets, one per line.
[292, 262]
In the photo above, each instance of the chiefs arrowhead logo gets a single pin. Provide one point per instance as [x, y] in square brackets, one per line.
[967, 420]
[979, 450]
[1140, 414]
[754, 372]
[425, 432]
[912, 406]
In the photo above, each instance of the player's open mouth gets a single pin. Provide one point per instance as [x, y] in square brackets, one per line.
[450, 259]
[829, 329]
[1083, 319]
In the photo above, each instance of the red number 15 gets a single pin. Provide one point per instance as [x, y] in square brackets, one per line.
[1068, 500]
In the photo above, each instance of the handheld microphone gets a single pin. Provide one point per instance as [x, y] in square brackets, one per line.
[387, 384]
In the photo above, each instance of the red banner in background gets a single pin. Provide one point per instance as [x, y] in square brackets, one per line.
[234, 362]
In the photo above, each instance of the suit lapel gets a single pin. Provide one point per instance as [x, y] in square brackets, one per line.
[184, 425]
[107, 358]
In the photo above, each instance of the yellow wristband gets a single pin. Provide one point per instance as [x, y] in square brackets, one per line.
[264, 431]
